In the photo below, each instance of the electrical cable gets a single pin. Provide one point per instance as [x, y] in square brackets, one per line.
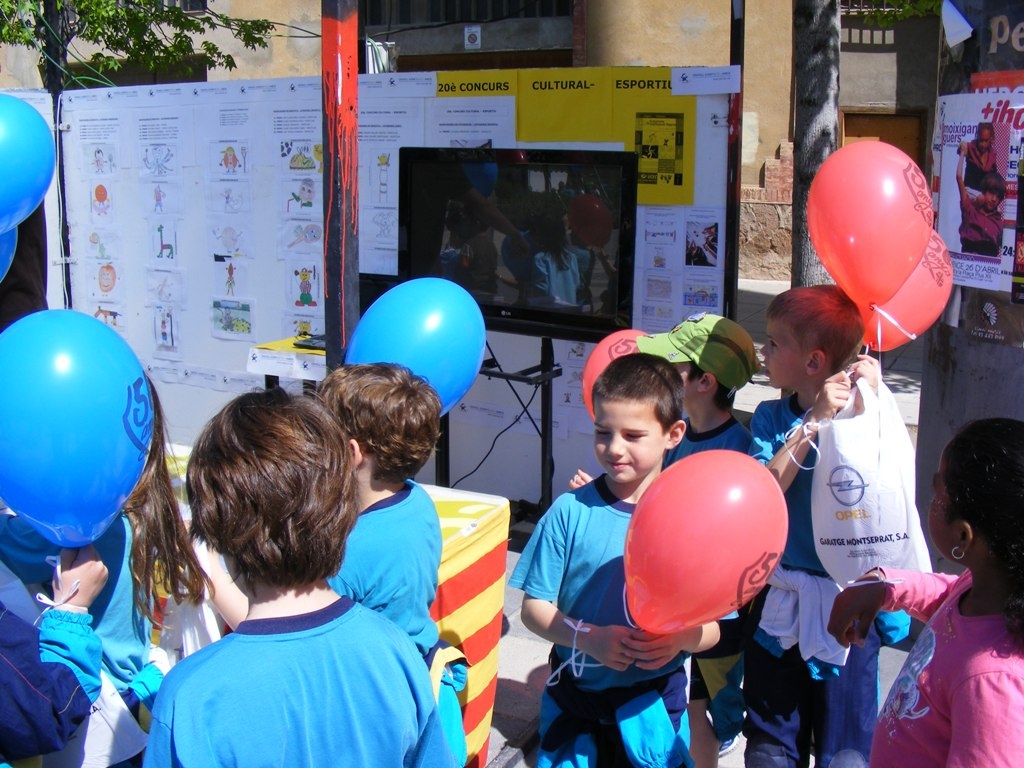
[514, 390]
[494, 442]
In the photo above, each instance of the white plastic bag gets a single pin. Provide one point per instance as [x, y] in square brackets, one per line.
[187, 627]
[862, 496]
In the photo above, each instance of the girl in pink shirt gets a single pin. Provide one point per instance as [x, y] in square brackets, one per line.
[959, 699]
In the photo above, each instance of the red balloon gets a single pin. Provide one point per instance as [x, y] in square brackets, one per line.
[703, 540]
[869, 215]
[916, 305]
[590, 220]
[607, 349]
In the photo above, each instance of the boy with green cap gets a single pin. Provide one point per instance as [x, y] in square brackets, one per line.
[715, 357]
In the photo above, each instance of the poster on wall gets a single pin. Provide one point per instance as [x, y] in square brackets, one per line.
[976, 159]
[978, 153]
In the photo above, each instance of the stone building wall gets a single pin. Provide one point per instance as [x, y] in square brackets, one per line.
[766, 220]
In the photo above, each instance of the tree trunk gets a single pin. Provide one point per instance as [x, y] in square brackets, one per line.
[815, 119]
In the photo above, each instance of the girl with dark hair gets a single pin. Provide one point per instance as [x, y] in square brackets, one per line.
[959, 699]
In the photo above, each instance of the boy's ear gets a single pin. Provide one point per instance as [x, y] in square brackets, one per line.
[675, 433]
[708, 382]
[816, 361]
[358, 457]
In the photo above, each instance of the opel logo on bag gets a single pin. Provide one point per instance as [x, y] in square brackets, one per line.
[847, 485]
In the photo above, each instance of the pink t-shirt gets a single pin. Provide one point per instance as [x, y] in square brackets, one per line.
[959, 699]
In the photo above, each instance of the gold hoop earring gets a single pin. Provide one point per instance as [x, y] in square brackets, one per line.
[957, 553]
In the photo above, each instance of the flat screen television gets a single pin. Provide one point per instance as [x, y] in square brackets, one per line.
[542, 239]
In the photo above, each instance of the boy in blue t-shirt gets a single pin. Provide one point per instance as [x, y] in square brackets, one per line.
[309, 677]
[793, 703]
[392, 419]
[616, 691]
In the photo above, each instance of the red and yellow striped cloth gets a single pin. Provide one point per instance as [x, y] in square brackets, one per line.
[470, 599]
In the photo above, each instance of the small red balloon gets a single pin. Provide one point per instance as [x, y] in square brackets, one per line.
[590, 220]
[703, 540]
[607, 349]
[869, 216]
[916, 305]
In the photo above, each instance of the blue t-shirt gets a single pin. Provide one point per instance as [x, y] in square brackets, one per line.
[730, 436]
[339, 686]
[575, 559]
[391, 562]
[771, 421]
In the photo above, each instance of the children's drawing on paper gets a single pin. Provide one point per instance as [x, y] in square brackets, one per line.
[296, 324]
[164, 241]
[227, 241]
[162, 197]
[99, 159]
[101, 204]
[301, 237]
[165, 286]
[165, 333]
[102, 245]
[159, 160]
[298, 155]
[383, 176]
[228, 196]
[106, 283]
[231, 319]
[305, 283]
[230, 158]
[301, 196]
[230, 277]
[111, 315]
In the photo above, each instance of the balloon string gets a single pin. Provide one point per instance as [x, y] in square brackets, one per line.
[808, 434]
[577, 660]
[895, 323]
[46, 600]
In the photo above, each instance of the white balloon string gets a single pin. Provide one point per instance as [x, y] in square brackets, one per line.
[577, 660]
[66, 596]
[895, 324]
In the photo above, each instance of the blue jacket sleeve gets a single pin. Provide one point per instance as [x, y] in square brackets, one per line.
[41, 701]
[67, 638]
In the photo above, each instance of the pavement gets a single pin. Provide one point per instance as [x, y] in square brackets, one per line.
[522, 656]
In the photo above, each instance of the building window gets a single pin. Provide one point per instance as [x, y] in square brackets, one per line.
[403, 13]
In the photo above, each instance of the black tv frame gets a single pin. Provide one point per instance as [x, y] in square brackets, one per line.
[524, 319]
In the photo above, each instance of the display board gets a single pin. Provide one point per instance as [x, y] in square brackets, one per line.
[196, 216]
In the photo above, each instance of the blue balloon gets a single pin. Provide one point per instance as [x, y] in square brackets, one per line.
[27, 157]
[433, 327]
[77, 419]
[8, 244]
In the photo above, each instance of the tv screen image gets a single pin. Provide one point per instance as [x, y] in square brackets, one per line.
[542, 239]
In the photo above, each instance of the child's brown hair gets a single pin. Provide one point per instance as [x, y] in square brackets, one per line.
[271, 485]
[821, 317]
[392, 413]
[643, 378]
[161, 552]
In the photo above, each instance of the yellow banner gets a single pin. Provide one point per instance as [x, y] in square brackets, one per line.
[564, 105]
[490, 82]
[660, 128]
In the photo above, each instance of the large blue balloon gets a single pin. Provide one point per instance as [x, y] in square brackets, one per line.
[27, 158]
[8, 244]
[433, 327]
[77, 419]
